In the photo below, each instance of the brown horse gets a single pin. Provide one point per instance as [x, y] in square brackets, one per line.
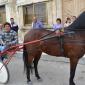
[69, 45]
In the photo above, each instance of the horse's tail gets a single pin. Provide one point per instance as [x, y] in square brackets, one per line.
[25, 59]
[25, 55]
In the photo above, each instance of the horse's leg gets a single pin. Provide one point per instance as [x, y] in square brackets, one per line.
[36, 59]
[73, 65]
[28, 73]
[28, 68]
[27, 63]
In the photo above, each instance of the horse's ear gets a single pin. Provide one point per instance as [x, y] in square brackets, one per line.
[79, 23]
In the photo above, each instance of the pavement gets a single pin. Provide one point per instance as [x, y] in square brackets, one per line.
[53, 71]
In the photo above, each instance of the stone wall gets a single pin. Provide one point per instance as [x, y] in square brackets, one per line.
[72, 7]
[55, 9]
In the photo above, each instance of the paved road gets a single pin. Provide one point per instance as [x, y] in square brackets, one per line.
[54, 71]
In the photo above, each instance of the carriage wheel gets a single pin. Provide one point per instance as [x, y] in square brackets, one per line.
[4, 73]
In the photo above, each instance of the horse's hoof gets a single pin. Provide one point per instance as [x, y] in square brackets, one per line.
[40, 79]
[29, 83]
[72, 83]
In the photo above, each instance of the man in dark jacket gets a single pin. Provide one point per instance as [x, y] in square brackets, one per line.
[14, 26]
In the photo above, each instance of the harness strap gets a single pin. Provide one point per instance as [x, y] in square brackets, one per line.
[61, 39]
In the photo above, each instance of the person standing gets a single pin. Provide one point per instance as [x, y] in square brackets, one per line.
[37, 24]
[73, 18]
[68, 22]
[58, 27]
[14, 26]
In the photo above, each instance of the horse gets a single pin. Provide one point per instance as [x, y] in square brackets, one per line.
[70, 45]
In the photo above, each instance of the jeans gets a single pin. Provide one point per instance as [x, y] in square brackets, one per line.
[2, 48]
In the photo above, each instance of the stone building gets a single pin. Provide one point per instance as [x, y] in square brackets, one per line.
[7, 10]
[46, 10]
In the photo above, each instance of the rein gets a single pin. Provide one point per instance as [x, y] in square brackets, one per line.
[48, 34]
[20, 46]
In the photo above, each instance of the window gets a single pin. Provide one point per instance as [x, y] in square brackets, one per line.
[38, 10]
[2, 14]
[28, 14]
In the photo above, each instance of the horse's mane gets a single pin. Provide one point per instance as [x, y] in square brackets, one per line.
[79, 23]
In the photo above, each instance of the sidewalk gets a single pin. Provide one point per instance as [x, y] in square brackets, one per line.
[53, 71]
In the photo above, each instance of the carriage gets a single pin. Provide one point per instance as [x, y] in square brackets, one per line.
[4, 72]
[8, 53]
[70, 45]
